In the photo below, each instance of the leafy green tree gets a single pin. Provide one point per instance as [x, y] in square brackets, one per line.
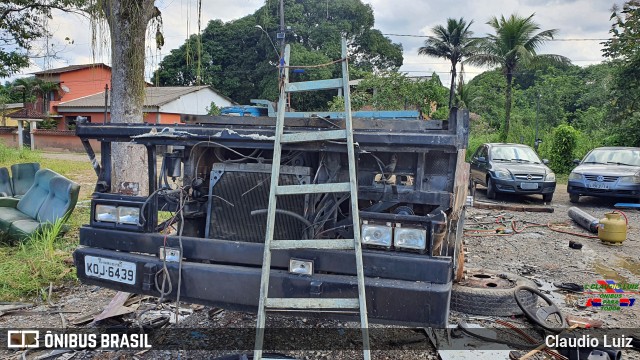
[21, 25]
[515, 42]
[454, 43]
[623, 49]
[565, 138]
[488, 102]
[393, 90]
[239, 60]
[213, 109]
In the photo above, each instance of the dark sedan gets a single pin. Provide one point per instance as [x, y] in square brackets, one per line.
[513, 169]
[606, 172]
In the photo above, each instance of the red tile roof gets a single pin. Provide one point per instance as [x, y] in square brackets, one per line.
[69, 68]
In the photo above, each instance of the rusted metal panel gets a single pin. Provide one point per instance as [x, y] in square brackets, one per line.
[333, 244]
[302, 303]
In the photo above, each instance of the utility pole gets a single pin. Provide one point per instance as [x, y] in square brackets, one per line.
[281, 34]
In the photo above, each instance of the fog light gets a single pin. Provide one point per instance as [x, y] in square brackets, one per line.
[379, 235]
[301, 267]
[128, 215]
[106, 213]
[408, 238]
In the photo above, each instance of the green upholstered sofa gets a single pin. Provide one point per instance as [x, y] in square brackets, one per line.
[50, 197]
[20, 181]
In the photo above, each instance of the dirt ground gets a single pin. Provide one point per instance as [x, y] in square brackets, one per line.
[536, 253]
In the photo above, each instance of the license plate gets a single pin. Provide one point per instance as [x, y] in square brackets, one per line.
[597, 185]
[110, 269]
[529, 186]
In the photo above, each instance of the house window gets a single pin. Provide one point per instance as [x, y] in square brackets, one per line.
[71, 121]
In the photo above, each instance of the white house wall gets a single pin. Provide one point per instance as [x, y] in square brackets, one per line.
[195, 103]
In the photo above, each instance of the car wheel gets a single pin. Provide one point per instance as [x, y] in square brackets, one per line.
[574, 198]
[547, 197]
[491, 191]
[491, 293]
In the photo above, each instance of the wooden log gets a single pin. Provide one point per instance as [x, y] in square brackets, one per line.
[495, 206]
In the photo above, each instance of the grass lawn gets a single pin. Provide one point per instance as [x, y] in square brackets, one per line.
[27, 268]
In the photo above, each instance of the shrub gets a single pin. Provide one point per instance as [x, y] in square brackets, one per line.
[563, 146]
[9, 155]
[213, 109]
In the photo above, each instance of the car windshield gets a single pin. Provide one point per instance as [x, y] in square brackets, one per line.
[625, 157]
[514, 154]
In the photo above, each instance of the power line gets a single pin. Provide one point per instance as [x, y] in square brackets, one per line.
[555, 39]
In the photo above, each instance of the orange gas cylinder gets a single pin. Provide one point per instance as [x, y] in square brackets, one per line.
[612, 229]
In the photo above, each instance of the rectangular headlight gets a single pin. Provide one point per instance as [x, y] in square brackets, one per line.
[106, 213]
[629, 180]
[128, 215]
[379, 235]
[408, 238]
[575, 176]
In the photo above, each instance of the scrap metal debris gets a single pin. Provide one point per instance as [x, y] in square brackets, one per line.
[116, 307]
[250, 136]
[496, 206]
[165, 132]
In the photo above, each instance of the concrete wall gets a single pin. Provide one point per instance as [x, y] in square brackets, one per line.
[9, 136]
[56, 140]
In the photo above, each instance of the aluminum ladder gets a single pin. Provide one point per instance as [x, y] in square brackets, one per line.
[310, 304]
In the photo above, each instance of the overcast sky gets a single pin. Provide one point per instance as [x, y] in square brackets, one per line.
[578, 22]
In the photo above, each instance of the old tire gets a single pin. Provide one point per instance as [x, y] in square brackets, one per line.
[491, 190]
[491, 293]
[547, 197]
[574, 198]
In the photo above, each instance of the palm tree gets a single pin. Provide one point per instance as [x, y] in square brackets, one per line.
[515, 42]
[454, 43]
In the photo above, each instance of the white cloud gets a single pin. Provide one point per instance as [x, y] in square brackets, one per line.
[575, 19]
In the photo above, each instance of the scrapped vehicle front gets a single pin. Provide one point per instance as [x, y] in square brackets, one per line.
[201, 227]
[607, 172]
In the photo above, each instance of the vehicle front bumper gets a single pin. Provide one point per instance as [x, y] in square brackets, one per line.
[398, 298]
[579, 187]
[514, 186]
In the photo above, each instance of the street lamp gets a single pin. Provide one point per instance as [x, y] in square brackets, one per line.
[269, 37]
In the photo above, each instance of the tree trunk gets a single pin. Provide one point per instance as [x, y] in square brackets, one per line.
[507, 107]
[452, 88]
[128, 21]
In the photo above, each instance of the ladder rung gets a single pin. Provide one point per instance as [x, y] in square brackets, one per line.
[314, 136]
[307, 303]
[328, 84]
[313, 189]
[337, 244]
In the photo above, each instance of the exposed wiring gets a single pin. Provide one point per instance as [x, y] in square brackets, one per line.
[195, 169]
[501, 231]
[217, 153]
[528, 338]
[181, 228]
[462, 325]
[284, 212]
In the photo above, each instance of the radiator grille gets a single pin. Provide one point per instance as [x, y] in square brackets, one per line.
[247, 188]
[604, 178]
[437, 164]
